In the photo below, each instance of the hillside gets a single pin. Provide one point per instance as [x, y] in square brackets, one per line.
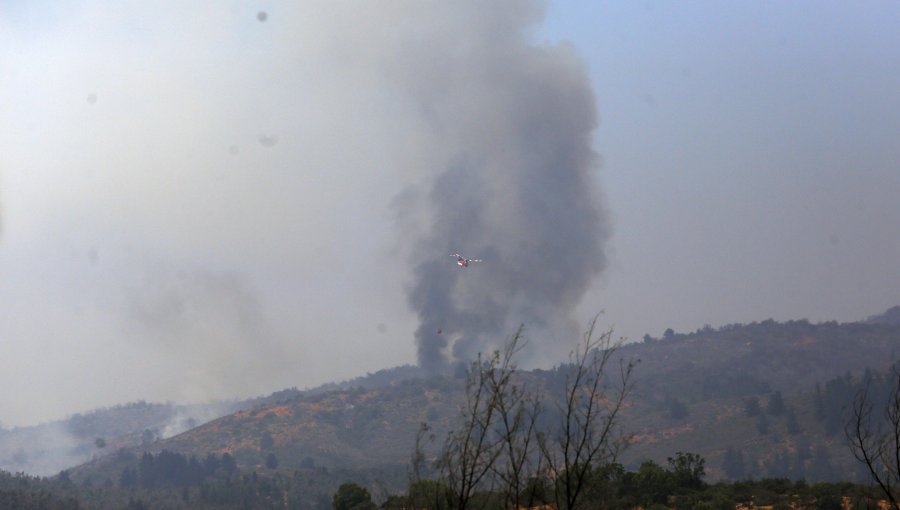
[356, 428]
[738, 360]
[890, 316]
[48, 448]
[692, 392]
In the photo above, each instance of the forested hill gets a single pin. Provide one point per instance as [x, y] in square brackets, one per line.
[761, 399]
[891, 316]
[738, 359]
[47, 448]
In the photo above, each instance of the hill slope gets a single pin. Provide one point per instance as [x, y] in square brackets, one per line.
[692, 394]
[48, 448]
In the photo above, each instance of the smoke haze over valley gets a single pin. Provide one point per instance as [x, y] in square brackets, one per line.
[201, 202]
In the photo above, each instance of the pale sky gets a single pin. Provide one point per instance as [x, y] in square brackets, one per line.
[752, 162]
[196, 204]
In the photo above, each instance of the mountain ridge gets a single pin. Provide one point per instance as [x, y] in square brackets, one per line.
[689, 387]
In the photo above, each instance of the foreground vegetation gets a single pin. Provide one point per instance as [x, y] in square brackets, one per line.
[678, 485]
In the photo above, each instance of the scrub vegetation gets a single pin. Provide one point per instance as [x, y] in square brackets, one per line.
[695, 420]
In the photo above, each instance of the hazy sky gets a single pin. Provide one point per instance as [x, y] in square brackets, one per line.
[198, 203]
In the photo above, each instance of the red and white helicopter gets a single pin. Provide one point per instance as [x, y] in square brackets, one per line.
[462, 261]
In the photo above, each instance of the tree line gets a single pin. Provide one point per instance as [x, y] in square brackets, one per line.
[518, 443]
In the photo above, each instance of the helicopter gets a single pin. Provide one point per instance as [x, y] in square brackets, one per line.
[463, 261]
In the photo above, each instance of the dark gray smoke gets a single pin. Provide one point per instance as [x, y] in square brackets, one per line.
[514, 183]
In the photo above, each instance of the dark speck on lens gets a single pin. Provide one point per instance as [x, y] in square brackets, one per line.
[92, 98]
[262, 16]
[268, 141]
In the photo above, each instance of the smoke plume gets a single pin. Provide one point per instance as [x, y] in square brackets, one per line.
[512, 181]
[196, 202]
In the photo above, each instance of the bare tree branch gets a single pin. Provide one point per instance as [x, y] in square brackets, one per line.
[588, 435]
[471, 451]
[876, 443]
[499, 447]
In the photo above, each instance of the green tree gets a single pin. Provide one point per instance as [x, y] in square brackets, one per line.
[751, 406]
[266, 441]
[688, 470]
[652, 484]
[397, 502]
[429, 494]
[793, 426]
[351, 496]
[775, 406]
[538, 491]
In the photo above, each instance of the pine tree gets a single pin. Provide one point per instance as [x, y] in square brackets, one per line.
[775, 407]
